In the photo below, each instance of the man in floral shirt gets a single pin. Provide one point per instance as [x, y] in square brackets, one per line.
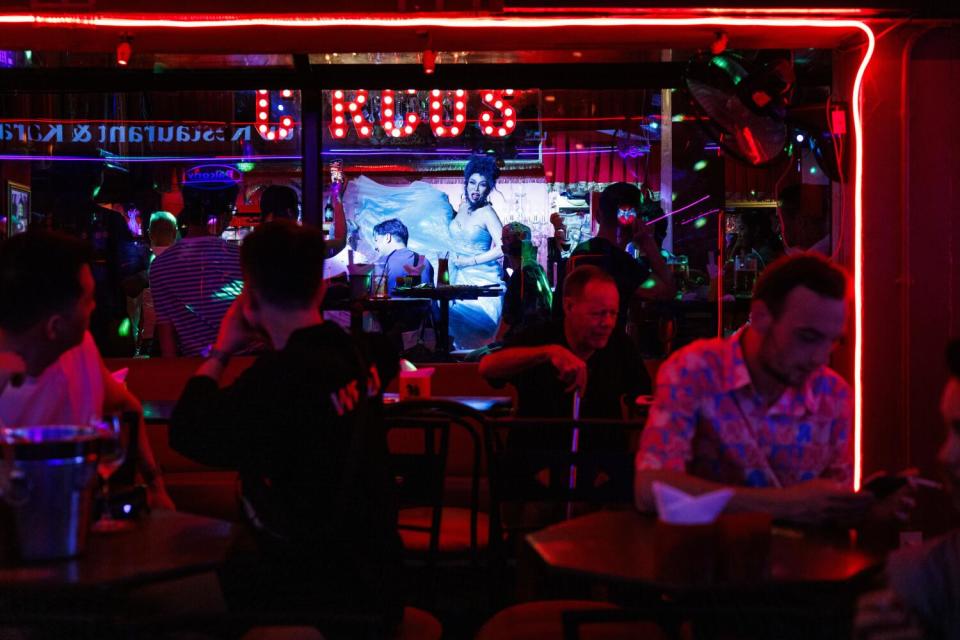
[761, 411]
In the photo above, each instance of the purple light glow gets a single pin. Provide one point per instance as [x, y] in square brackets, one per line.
[683, 208]
[702, 215]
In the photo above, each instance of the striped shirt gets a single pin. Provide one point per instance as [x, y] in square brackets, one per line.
[194, 282]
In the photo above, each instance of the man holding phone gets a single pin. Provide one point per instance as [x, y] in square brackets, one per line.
[621, 216]
[761, 412]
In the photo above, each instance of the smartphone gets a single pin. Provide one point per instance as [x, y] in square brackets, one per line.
[883, 486]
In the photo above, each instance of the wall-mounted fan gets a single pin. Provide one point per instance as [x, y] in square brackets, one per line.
[742, 105]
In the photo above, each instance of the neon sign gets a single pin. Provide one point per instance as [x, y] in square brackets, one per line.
[211, 176]
[398, 114]
[273, 121]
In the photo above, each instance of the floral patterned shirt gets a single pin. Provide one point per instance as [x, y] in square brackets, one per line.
[708, 420]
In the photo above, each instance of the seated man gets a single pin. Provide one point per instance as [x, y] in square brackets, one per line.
[923, 593]
[621, 222]
[760, 410]
[582, 353]
[279, 202]
[302, 425]
[50, 369]
[394, 260]
[527, 300]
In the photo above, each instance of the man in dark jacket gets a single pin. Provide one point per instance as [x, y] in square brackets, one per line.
[303, 427]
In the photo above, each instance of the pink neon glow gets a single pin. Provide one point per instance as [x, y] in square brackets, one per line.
[683, 208]
[722, 19]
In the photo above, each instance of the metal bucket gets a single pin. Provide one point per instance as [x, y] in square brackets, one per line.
[47, 477]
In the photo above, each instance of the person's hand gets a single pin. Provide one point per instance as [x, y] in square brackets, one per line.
[821, 502]
[571, 370]
[897, 507]
[12, 369]
[235, 332]
[643, 236]
[881, 616]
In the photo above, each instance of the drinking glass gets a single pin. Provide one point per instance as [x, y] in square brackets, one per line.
[114, 442]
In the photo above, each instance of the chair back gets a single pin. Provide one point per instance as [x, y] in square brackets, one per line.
[600, 475]
[419, 434]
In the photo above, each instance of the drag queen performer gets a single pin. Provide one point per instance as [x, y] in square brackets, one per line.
[471, 238]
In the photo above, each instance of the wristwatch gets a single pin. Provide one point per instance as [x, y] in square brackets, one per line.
[220, 356]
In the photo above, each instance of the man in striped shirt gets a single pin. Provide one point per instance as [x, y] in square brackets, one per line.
[193, 284]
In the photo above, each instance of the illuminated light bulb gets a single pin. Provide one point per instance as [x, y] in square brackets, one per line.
[459, 117]
[361, 98]
[338, 132]
[283, 132]
[488, 130]
[498, 104]
[396, 133]
[488, 97]
[799, 137]
[459, 104]
[365, 130]
[353, 107]
[408, 129]
[279, 107]
[435, 104]
[435, 93]
[411, 118]
[286, 93]
[263, 116]
[338, 94]
[485, 117]
[387, 100]
[508, 112]
[439, 131]
[358, 118]
[263, 103]
[338, 120]
[271, 135]
[502, 131]
[454, 130]
[287, 122]
[435, 118]
[262, 92]
[388, 125]
[263, 128]
[509, 92]
[459, 93]
[388, 112]
[509, 124]
[339, 107]
[411, 91]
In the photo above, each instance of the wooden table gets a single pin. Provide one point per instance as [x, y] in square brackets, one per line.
[88, 595]
[619, 546]
[444, 294]
[164, 545]
[159, 411]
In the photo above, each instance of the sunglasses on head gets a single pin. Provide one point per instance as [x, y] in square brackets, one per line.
[626, 215]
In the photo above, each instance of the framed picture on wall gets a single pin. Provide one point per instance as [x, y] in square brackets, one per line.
[18, 208]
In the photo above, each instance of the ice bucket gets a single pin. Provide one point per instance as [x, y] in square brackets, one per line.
[47, 477]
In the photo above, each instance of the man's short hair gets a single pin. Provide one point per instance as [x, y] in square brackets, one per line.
[395, 228]
[810, 270]
[279, 200]
[161, 218]
[39, 276]
[577, 280]
[283, 262]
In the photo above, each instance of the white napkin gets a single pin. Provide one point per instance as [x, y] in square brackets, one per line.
[677, 507]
